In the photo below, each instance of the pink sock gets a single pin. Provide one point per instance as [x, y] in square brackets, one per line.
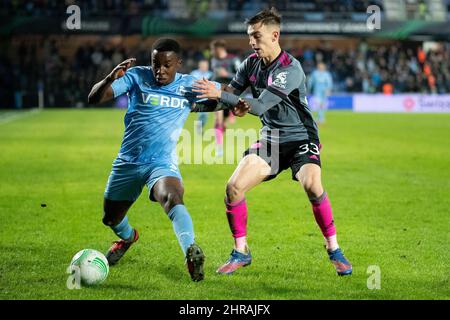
[324, 216]
[219, 135]
[237, 217]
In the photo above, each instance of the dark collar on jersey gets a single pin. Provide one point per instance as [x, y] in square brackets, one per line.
[264, 67]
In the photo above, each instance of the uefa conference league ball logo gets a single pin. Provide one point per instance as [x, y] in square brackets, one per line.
[88, 267]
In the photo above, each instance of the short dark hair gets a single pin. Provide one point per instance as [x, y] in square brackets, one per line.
[266, 17]
[166, 44]
[219, 44]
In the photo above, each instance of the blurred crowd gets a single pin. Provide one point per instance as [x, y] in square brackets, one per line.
[89, 7]
[393, 68]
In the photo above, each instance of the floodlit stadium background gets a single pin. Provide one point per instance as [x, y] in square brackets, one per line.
[408, 54]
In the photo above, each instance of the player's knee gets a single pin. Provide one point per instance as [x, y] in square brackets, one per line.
[313, 188]
[234, 191]
[171, 199]
[307, 183]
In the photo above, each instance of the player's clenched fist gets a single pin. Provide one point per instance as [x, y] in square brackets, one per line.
[102, 91]
[121, 68]
[241, 108]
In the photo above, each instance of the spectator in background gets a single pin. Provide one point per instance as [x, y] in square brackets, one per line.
[366, 84]
[197, 8]
[202, 72]
[388, 88]
[224, 66]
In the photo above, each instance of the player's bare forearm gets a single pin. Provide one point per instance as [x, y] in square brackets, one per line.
[101, 91]
[208, 90]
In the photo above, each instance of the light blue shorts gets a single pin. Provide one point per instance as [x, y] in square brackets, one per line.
[126, 180]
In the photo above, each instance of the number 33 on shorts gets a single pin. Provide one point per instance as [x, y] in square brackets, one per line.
[309, 147]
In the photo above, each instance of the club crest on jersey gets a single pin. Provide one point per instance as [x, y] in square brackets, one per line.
[181, 90]
[280, 80]
[164, 101]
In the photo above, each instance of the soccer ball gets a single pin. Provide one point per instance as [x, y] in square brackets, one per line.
[89, 267]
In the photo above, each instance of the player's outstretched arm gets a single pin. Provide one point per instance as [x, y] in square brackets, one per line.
[102, 91]
[240, 108]
[213, 105]
[265, 101]
[258, 106]
[208, 106]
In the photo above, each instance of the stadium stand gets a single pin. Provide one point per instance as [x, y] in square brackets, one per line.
[64, 67]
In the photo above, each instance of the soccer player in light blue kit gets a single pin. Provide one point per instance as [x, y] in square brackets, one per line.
[202, 72]
[321, 84]
[159, 101]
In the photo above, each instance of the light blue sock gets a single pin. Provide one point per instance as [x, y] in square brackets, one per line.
[182, 225]
[123, 230]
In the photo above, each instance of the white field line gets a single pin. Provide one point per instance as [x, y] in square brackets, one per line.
[11, 116]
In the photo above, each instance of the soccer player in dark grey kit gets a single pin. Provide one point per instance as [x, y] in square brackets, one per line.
[289, 137]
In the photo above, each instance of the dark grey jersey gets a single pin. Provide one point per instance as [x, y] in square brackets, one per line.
[230, 64]
[280, 100]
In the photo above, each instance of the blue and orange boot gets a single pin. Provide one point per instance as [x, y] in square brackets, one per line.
[342, 265]
[237, 260]
[118, 249]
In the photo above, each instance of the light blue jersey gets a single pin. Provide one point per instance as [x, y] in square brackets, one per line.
[198, 74]
[155, 116]
[321, 83]
[153, 123]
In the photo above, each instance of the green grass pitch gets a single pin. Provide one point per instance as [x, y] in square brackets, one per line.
[388, 177]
